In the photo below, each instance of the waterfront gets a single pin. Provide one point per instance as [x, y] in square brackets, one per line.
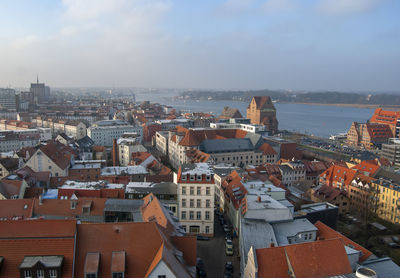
[319, 120]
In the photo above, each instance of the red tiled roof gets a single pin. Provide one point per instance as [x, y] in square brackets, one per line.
[16, 208]
[9, 188]
[337, 173]
[327, 193]
[143, 243]
[366, 166]
[196, 156]
[304, 259]
[267, 149]
[325, 232]
[36, 238]
[195, 137]
[63, 207]
[59, 153]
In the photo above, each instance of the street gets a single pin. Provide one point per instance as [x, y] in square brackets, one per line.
[212, 252]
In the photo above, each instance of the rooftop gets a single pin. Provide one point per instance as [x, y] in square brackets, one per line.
[284, 230]
[123, 170]
[196, 169]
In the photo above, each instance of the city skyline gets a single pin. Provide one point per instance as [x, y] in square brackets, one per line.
[234, 44]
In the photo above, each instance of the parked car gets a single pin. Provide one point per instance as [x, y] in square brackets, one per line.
[396, 239]
[226, 229]
[229, 267]
[228, 236]
[200, 237]
[393, 245]
[229, 250]
[200, 270]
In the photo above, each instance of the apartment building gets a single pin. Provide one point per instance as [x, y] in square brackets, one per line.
[389, 200]
[8, 100]
[14, 141]
[104, 132]
[391, 151]
[196, 198]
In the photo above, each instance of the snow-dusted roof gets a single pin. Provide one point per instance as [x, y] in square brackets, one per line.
[123, 170]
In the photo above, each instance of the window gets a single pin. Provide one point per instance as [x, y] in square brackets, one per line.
[91, 275]
[183, 190]
[207, 215]
[27, 274]
[207, 203]
[191, 215]
[198, 203]
[192, 177]
[191, 203]
[208, 178]
[207, 190]
[191, 190]
[52, 273]
[207, 229]
[183, 177]
[162, 276]
[198, 190]
[199, 177]
[183, 215]
[198, 215]
[40, 273]
[184, 203]
[117, 275]
[306, 236]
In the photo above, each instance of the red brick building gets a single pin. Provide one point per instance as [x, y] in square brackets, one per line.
[262, 111]
[368, 135]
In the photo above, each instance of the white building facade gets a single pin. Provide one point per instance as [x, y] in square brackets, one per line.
[196, 198]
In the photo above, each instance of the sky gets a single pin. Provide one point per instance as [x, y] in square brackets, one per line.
[343, 45]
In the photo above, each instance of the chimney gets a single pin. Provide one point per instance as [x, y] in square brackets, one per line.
[115, 155]
[272, 244]
[259, 199]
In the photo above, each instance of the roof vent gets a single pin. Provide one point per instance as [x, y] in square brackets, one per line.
[364, 272]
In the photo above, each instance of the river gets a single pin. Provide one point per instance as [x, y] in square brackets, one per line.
[319, 120]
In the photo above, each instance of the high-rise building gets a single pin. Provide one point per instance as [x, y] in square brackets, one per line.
[261, 111]
[41, 93]
[8, 100]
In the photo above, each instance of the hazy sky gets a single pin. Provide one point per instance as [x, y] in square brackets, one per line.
[221, 44]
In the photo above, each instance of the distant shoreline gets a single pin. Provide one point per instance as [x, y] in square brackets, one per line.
[349, 105]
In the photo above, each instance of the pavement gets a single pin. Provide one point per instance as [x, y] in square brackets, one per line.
[212, 252]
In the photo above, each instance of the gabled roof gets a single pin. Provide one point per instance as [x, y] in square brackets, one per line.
[263, 102]
[60, 154]
[305, 259]
[337, 173]
[325, 232]
[228, 113]
[10, 164]
[144, 244]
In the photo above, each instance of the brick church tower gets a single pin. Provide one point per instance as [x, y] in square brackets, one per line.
[262, 111]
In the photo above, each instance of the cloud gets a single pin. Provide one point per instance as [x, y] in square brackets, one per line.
[274, 6]
[342, 7]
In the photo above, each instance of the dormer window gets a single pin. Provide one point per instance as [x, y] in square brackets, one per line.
[118, 264]
[40, 273]
[199, 177]
[91, 267]
[208, 178]
[27, 274]
[192, 177]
